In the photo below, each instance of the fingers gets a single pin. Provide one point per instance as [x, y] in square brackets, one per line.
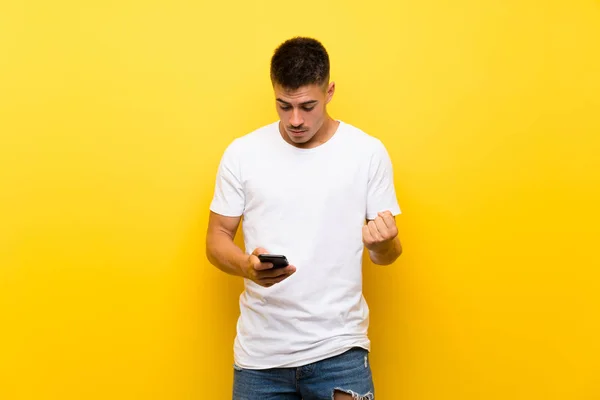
[381, 229]
[367, 238]
[274, 273]
[371, 233]
[271, 277]
[376, 230]
[259, 250]
[263, 273]
[260, 266]
[388, 218]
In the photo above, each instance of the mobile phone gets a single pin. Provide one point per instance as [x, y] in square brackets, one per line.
[278, 260]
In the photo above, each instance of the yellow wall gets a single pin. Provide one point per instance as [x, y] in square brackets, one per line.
[113, 116]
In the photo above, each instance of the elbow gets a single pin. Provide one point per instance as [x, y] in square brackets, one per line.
[209, 252]
[209, 256]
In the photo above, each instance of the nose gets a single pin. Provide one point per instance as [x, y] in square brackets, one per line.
[296, 118]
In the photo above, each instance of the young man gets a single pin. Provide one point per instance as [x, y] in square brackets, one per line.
[318, 191]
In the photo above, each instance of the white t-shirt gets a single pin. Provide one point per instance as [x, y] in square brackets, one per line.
[310, 205]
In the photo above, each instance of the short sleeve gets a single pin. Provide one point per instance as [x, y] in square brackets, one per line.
[228, 198]
[381, 193]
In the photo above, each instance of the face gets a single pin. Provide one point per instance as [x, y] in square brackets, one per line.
[303, 113]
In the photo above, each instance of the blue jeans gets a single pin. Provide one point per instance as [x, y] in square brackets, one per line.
[349, 372]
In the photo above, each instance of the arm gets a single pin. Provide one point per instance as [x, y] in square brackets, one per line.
[380, 233]
[221, 251]
[224, 254]
[227, 207]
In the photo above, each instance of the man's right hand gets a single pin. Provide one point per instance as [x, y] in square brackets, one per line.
[263, 273]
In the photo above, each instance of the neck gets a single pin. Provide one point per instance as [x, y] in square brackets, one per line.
[325, 133]
[327, 130]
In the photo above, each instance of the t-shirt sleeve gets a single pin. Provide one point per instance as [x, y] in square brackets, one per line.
[228, 198]
[381, 193]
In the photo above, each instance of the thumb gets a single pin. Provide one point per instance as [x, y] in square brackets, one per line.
[259, 250]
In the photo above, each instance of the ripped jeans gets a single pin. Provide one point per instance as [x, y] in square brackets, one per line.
[350, 373]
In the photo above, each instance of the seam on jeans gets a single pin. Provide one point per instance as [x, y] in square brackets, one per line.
[297, 379]
[355, 396]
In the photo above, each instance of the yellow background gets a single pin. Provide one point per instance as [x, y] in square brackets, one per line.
[113, 117]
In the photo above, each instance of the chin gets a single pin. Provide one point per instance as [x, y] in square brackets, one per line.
[301, 139]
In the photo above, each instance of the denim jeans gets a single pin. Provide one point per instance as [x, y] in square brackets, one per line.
[350, 372]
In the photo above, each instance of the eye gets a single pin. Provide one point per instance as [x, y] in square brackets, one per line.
[308, 108]
[285, 108]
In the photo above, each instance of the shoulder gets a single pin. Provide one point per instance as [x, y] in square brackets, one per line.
[259, 136]
[362, 141]
[250, 142]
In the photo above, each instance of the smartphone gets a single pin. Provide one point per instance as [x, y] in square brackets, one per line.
[278, 260]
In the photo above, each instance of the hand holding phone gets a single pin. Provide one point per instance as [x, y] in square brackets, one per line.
[267, 269]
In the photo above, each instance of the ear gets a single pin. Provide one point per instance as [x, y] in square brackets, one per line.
[330, 92]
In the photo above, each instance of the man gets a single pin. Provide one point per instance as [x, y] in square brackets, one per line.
[318, 191]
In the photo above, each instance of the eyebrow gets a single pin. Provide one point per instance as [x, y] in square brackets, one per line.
[302, 104]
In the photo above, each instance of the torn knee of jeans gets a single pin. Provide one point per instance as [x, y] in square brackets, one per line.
[355, 396]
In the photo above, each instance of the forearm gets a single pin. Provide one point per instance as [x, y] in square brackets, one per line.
[224, 254]
[387, 254]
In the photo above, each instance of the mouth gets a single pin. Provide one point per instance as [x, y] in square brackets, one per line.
[296, 132]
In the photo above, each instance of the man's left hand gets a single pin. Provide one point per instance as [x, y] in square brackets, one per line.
[380, 232]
